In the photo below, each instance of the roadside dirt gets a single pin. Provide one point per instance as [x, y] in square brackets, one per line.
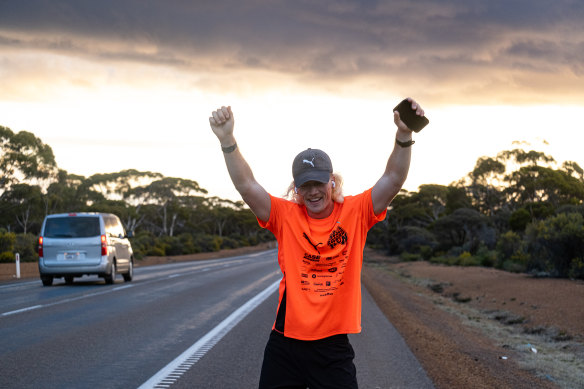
[483, 328]
[469, 327]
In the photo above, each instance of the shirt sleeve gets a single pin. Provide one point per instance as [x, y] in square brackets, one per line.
[272, 223]
[368, 205]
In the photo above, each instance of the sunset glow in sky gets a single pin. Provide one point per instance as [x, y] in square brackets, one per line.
[128, 84]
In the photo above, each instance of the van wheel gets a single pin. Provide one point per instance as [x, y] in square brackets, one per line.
[111, 278]
[69, 280]
[47, 280]
[130, 274]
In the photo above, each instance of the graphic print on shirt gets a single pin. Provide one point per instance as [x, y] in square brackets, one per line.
[312, 244]
[323, 275]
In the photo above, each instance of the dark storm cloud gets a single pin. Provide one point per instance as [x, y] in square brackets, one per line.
[478, 44]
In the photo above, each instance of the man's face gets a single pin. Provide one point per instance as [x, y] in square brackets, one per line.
[317, 198]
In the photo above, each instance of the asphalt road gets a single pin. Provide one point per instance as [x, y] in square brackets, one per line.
[185, 325]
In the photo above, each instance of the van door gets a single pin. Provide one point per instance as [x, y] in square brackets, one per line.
[71, 241]
[116, 236]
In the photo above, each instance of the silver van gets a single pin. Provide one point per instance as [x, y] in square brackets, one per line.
[76, 244]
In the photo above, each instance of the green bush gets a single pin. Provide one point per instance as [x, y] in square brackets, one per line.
[410, 257]
[446, 260]
[556, 244]
[511, 252]
[467, 259]
[486, 257]
[519, 219]
[576, 268]
[7, 240]
[426, 252]
[513, 267]
[230, 243]
[208, 243]
[26, 246]
[171, 244]
[143, 243]
[7, 257]
[411, 239]
[156, 251]
[23, 244]
[188, 243]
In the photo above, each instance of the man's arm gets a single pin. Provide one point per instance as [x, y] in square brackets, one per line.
[255, 196]
[398, 165]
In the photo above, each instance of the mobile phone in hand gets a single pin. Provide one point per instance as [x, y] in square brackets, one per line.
[409, 117]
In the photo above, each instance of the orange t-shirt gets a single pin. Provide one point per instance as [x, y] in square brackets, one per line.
[321, 259]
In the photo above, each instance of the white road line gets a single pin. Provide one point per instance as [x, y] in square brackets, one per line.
[22, 310]
[175, 369]
[68, 300]
[18, 284]
[123, 287]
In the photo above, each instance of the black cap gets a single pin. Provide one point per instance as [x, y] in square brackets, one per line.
[311, 165]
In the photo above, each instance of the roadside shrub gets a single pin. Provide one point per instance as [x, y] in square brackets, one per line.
[410, 257]
[7, 240]
[26, 246]
[570, 208]
[513, 266]
[467, 259]
[187, 243]
[7, 257]
[446, 260]
[519, 219]
[576, 268]
[508, 244]
[23, 244]
[486, 257]
[143, 244]
[229, 243]
[466, 228]
[458, 257]
[158, 250]
[556, 244]
[411, 239]
[441, 260]
[172, 245]
[208, 243]
[426, 252]
[511, 252]
[456, 251]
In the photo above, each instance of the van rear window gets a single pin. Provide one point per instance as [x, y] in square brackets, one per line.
[72, 227]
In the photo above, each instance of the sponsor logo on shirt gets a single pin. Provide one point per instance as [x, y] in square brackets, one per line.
[338, 236]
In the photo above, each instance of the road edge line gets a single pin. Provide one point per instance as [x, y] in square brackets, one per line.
[176, 368]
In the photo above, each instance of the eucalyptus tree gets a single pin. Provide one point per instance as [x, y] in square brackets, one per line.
[24, 158]
[167, 195]
[22, 208]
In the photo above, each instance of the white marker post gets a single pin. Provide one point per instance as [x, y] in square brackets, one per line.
[17, 265]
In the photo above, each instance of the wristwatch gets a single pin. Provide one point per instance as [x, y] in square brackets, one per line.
[405, 144]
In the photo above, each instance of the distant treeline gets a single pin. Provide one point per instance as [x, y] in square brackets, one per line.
[166, 216]
[517, 211]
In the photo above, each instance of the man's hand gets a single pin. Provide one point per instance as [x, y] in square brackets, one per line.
[222, 123]
[401, 126]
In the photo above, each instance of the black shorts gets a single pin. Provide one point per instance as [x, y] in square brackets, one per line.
[314, 364]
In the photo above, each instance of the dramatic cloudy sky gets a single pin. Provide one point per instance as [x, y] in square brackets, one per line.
[113, 85]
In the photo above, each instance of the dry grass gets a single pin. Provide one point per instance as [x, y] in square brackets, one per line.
[525, 333]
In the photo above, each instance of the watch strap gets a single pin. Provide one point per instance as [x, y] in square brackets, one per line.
[405, 144]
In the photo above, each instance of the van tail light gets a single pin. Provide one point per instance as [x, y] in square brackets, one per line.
[41, 253]
[103, 245]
